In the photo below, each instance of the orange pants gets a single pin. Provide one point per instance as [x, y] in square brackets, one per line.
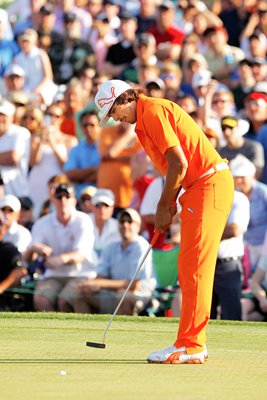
[205, 209]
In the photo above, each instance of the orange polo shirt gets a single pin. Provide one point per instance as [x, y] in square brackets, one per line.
[162, 124]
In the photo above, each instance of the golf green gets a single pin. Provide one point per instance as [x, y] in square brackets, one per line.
[44, 356]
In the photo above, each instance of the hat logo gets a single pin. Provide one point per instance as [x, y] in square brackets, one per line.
[107, 100]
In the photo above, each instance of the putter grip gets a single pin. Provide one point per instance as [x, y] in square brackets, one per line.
[155, 238]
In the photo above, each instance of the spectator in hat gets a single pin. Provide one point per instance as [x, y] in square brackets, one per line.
[52, 184]
[14, 152]
[101, 37]
[190, 64]
[8, 46]
[259, 69]
[37, 66]
[145, 48]
[77, 52]
[116, 267]
[257, 45]
[15, 233]
[168, 37]
[113, 64]
[12, 267]
[105, 227]
[156, 88]
[85, 200]
[84, 159]
[233, 133]
[64, 240]
[222, 58]
[49, 39]
[14, 80]
[244, 178]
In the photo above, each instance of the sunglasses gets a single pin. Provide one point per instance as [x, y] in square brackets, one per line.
[100, 205]
[125, 220]
[86, 198]
[7, 209]
[31, 117]
[227, 127]
[60, 196]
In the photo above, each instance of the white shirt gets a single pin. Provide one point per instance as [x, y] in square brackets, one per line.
[18, 235]
[16, 176]
[78, 234]
[109, 234]
[234, 247]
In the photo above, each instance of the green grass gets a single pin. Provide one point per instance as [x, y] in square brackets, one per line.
[35, 347]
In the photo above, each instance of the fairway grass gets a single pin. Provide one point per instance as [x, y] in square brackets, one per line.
[36, 347]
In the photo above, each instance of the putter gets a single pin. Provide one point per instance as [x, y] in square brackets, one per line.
[102, 345]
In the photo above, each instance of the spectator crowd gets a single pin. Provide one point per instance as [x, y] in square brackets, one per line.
[77, 201]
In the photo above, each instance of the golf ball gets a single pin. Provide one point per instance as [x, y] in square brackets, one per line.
[62, 373]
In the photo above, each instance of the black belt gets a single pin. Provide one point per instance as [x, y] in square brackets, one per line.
[228, 259]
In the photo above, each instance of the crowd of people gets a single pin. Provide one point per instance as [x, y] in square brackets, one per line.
[77, 200]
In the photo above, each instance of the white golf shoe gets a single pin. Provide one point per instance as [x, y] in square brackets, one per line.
[174, 355]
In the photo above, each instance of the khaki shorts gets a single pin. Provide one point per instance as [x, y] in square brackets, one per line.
[57, 287]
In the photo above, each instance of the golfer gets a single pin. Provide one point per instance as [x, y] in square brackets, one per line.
[181, 151]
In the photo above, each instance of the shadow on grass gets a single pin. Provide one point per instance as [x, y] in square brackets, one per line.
[68, 361]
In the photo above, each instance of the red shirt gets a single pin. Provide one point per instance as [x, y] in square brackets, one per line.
[172, 34]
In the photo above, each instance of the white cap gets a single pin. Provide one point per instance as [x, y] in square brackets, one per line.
[134, 215]
[7, 108]
[105, 196]
[241, 166]
[201, 78]
[10, 201]
[107, 94]
[14, 69]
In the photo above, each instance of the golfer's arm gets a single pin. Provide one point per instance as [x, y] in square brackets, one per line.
[177, 166]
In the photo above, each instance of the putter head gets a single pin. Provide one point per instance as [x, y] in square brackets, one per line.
[97, 345]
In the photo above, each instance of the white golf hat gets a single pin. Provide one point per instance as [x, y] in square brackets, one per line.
[241, 166]
[105, 196]
[7, 108]
[10, 201]
[201, 78]
[14, 69]
[107, 94]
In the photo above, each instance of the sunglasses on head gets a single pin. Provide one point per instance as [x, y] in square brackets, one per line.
[60, 196]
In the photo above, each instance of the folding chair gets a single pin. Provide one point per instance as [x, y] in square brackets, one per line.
[166, 273]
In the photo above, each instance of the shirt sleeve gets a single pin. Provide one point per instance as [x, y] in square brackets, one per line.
[160, 124]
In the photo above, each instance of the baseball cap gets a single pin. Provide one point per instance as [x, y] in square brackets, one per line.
[241, 166]
[46, 9]
[229, 121]
[166, 5]
[105, 196]
[7, 108]
[14, 69]
[133, 214]
[64, 187]
[88, 190]
[18, 97]
[201, 78]
[156, 84]
[126, 15]
[69, 17]
[108, 92]
[10, 201]
[146, 39]
[29, 34]
[256, 96]
[258, 61]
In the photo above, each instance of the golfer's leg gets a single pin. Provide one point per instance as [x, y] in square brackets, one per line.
[201, 232]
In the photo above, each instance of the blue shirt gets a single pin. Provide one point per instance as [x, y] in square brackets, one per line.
[258, 214]
[121, 263]
[8, 49]
[82, 156]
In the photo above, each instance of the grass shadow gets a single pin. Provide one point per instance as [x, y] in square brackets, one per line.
[68, 361]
